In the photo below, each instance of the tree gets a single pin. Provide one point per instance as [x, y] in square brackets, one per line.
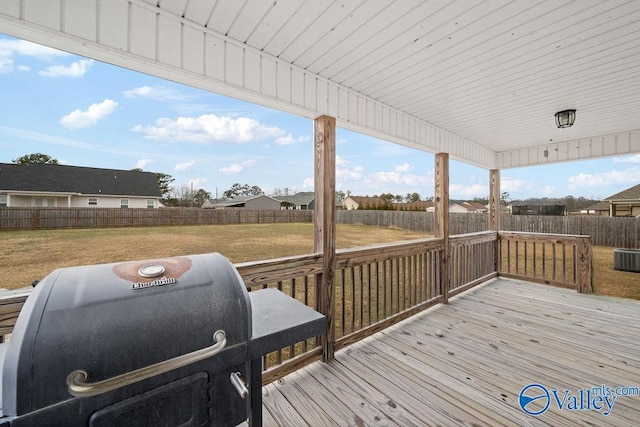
[286, 191]
[505, 198]
[200, 196]
[238, 190]
[164, 182]
[35, 158]
[412, 197]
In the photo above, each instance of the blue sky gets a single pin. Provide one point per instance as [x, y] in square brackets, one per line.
[87, 113]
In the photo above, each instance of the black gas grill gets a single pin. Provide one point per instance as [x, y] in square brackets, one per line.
[165, 342]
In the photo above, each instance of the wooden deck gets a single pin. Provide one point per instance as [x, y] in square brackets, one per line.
[495, 340]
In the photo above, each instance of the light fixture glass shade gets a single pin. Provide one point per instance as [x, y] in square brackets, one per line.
[565, 119]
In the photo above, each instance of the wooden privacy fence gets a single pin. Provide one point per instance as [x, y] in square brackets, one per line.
[604, 231]
[48, 218]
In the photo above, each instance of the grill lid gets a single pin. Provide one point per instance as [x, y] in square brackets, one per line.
[111, 319]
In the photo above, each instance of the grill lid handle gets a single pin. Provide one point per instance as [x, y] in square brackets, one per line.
[79, 388]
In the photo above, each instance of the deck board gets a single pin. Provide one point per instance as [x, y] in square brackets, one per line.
[496, 339]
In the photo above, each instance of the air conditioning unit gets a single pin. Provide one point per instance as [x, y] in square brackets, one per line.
[626, 260]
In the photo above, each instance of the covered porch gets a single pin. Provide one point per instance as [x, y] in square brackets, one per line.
[475, 81]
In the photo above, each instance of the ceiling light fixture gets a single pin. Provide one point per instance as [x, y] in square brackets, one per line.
[565, 119]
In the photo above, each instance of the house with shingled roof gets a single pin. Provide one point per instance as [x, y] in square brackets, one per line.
[625, 203]
[49, 186]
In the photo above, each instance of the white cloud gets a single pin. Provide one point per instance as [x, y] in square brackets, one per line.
[629, 159]
[405, 167]
[184, 165]
[289, 139]
[11, 48]
[25, 48]
[81, 119]
[513, 185]
[197, 183]
[209, 128]
[158, 93]
[74, 70]
[237, 167]
[604, 178]
[346, 173]
[142, 163]
[548, 190]
[458, 191]
[308, 183]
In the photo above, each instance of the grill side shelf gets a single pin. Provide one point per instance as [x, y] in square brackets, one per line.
[279, 321]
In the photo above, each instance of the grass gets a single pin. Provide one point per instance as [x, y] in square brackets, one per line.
[26, 256]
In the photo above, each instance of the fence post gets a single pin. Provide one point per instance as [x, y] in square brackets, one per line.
[583, 264]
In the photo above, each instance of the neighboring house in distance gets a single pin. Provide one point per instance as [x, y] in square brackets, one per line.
[475, 207]
[300, 201]
[46, 185]
[360, 202]
[260, 202]
[624, 203]
[600, 209]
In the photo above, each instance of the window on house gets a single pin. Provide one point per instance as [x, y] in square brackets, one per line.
[124, 203]
[93, 201]
[150, 204]
[3, 200]
[44, 202]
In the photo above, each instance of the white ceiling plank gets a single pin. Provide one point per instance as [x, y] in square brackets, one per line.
[142, 32]
[224, 15]
[193, 49]
[80, 18]
[443, 31]
[484, 35]
[177, 7]
[295, 26]
[46, 13]
[10, 8]
[389, 37]
[418, 30]
[276, 17]
[352, 23]
[538, 54]
[199, 11]
[248, 18]
[169, 41]
[113, 17]
[359, 43]
[330, 18]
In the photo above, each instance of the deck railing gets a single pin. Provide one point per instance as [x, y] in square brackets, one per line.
[377, 286]
[555, 259]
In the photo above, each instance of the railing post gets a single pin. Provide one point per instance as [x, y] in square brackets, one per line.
[324, 225]
[442, 219]
[583, 264]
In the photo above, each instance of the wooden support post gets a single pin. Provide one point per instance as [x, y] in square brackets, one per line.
[495, 208]
[324, 240]
[583, 264]
[442, 219]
